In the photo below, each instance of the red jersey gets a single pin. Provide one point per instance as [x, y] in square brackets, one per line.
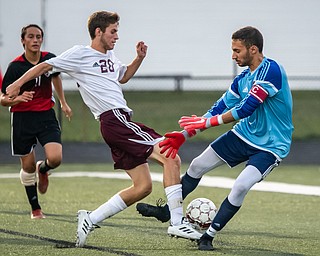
[43, 97]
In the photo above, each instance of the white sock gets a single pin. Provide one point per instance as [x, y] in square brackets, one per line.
[211, 231]
[174, 197]
[114, 205]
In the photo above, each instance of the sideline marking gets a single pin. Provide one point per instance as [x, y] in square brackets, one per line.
[206, 181]
[62, 244]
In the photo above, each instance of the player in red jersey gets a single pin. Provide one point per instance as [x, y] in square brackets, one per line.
[33, 118]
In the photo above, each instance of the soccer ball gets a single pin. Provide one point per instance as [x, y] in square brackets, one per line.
[200, 212]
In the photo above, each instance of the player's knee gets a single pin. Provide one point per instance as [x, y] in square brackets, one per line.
[27, 179]
[240, 189]
[145, 189]
[54, 162]
[174, 164]
[196, 168]
[148, 189]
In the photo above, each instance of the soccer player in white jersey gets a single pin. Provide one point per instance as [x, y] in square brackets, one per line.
[260, 99]
[98, 74]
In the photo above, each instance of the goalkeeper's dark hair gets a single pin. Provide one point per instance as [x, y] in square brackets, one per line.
[102, 20]
[249, 36]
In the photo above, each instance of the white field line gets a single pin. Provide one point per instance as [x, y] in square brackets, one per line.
[206, 181]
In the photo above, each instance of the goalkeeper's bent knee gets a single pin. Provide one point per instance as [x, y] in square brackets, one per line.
[27, 179]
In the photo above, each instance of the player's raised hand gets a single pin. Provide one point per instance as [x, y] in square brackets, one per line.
[172, 143]
[141, 49]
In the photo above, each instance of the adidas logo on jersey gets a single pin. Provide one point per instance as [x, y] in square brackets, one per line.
[95, 65]
[245, 90]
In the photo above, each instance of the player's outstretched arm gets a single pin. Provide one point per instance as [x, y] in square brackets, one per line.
[14, 88]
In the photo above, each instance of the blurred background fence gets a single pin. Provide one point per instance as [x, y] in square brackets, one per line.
[159, 102]
[185, 82]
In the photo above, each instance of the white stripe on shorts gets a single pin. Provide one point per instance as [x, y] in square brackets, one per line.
[131, 125]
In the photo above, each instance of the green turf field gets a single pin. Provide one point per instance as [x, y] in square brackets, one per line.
[268, 224]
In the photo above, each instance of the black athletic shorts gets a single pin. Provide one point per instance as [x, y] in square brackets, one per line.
[29, 127]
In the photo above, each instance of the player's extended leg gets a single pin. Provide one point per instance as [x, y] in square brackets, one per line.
[200, 165]
[179, 227]
[141, 187]
[29, 179]
[53, 152]
[230, 206]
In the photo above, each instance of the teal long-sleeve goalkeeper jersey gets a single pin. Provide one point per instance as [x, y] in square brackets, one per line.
[269, 127]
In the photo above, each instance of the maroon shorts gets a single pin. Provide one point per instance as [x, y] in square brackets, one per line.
[131, 143]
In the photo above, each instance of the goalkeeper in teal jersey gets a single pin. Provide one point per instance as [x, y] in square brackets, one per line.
[260, 100]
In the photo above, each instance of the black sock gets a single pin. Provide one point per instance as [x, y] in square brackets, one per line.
[44, 167]
[32, 195]
[224, 214]
[188, 184]
[205, 236]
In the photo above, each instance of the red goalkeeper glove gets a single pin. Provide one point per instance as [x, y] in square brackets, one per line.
[191, 123]
[172, 143]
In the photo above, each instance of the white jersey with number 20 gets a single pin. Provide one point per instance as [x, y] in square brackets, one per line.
[97, 76]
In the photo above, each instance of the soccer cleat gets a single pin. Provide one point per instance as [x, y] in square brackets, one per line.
[37, 214]
[43, 179]
[85, 226]
[205, 243]
[184, 230]
[160, 211]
